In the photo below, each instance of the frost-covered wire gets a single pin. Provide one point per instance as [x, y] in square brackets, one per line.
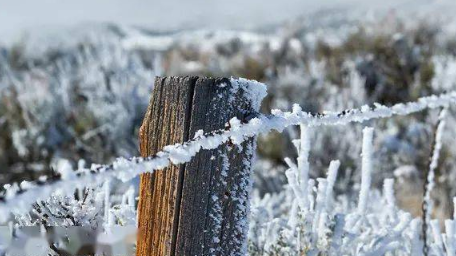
[18, 198]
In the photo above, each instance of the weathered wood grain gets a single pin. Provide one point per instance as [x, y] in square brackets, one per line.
[198, 208]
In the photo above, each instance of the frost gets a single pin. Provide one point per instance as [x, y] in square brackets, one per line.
[330, 226]
[366, 171]
[434, 162]
[18, 142]
[255, 91]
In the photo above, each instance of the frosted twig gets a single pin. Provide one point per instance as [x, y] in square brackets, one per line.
[450, 243]
[430, 176]
[368, 134]
[332, 175]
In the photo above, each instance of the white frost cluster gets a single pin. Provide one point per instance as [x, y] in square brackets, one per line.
[284, 224]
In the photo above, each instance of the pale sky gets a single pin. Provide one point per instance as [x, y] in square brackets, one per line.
[17, 16]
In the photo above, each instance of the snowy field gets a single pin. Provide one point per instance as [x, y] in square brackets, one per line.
[344, 166]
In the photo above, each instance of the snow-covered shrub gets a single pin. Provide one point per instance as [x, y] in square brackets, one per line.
[308, 218]
[83, 101]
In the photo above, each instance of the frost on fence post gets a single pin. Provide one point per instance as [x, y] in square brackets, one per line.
[200, 207]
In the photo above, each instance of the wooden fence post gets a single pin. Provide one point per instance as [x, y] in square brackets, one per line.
[201, 207]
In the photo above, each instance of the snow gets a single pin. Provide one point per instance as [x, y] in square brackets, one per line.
[255, 92]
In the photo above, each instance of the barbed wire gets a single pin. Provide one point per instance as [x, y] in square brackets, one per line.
[18, 198]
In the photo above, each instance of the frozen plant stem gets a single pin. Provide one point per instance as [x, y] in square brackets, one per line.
[450, 238]
[430, 176]
[303, 160]
[368, 134]
[298, 175]
[332, 175]
[388, 192]
[106, 189]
